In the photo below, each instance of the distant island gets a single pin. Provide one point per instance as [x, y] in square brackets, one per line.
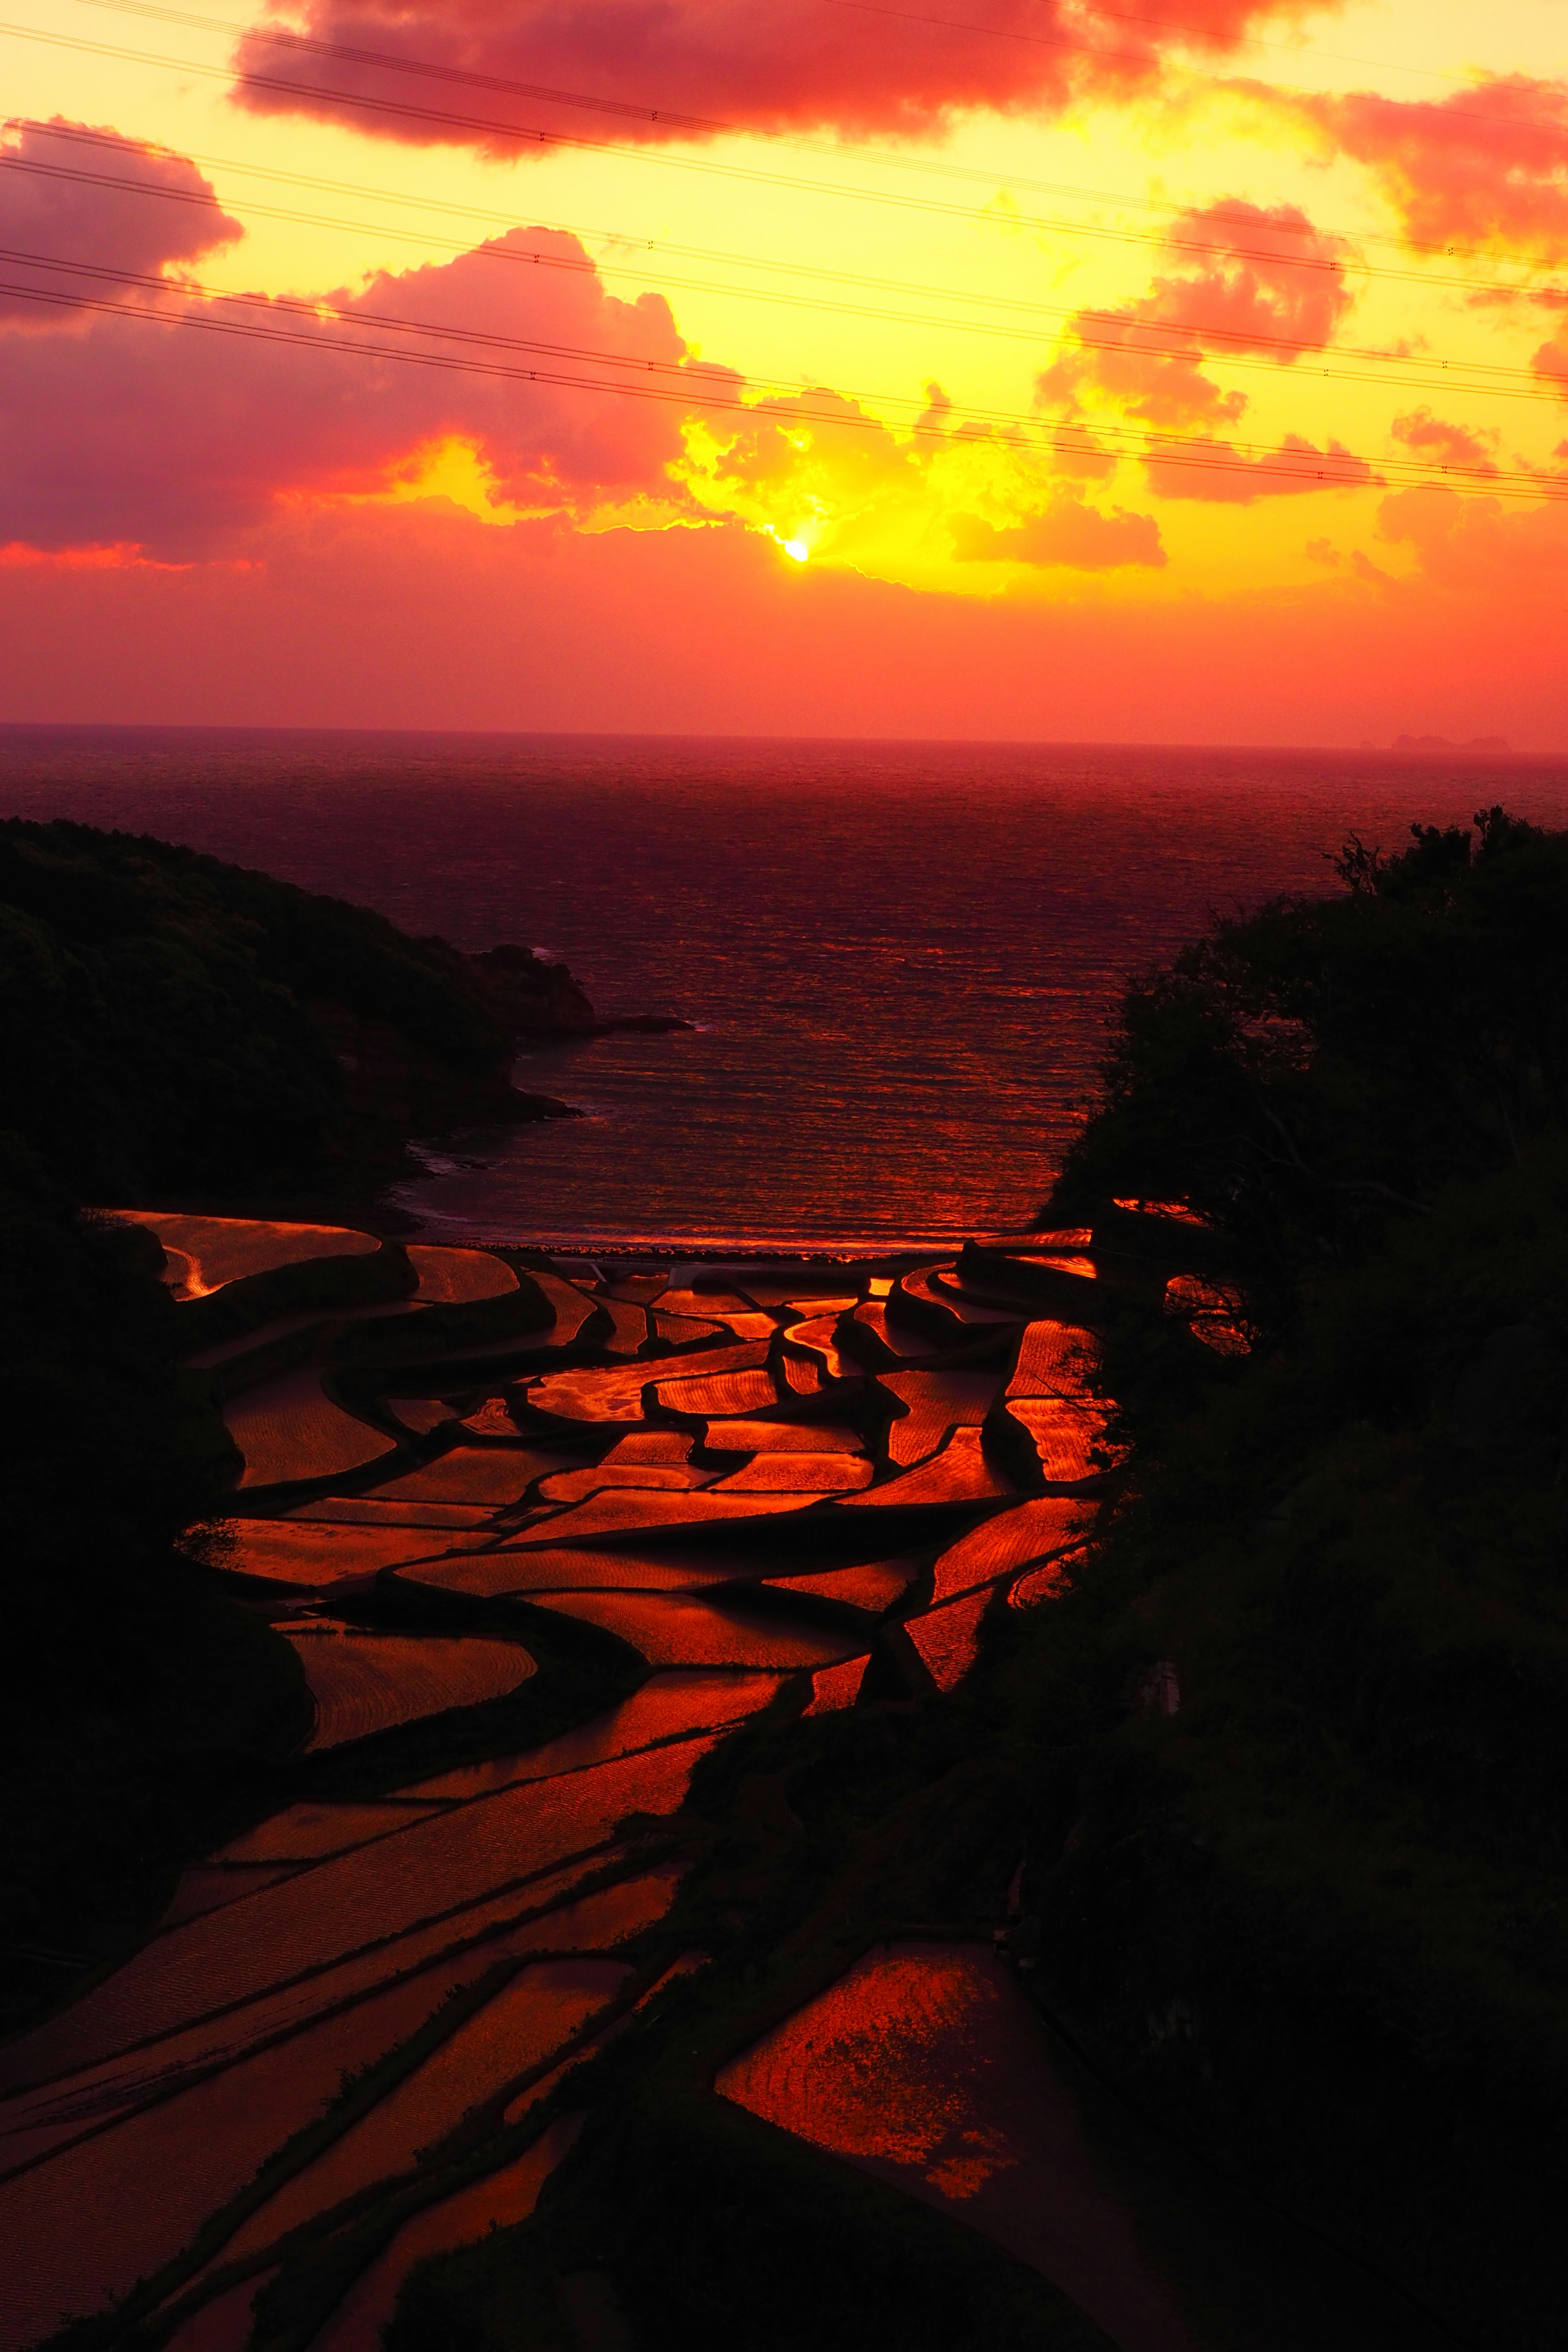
[1476, 746]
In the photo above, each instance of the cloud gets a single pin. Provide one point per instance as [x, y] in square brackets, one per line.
[177, 427]
[1219, 473]
[1273, 283]
[1440, 444]
[675, 68]
[1067, 533]
[1551, 364]
[1486, 167]
[167, 214]
[1477, 546]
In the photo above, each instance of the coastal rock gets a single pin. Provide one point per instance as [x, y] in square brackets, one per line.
[392, 1082]
[537, 1002]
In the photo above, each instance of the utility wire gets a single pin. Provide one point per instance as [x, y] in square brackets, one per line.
[703, 125]
[395, 109]
[725, 392]
[1124, 333]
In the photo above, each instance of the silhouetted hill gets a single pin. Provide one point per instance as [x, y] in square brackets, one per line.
[1318, 1916]
[179, 1024]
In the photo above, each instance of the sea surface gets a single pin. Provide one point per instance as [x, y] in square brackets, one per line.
[899, 957]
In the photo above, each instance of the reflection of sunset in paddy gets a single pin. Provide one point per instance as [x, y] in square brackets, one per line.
[925, 2066]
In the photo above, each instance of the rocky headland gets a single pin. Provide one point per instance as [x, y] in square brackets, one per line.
[178, 1026]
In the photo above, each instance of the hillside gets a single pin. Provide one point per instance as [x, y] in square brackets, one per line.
[177, 1024]
[1298, 1753]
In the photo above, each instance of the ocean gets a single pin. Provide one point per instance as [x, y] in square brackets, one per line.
[899, 957]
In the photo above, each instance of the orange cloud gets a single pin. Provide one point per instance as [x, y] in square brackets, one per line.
[1489, 165]
[1067, 533]
[1218, 472]
[1440, 444]
[1275, 284]
[1477, 546]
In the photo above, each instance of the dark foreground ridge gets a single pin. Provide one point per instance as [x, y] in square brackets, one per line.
[1014, 1803]
[176, 1026]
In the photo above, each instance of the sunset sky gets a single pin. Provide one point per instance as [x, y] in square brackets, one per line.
[1015, 368]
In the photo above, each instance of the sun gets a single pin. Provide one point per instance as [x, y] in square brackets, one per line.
[795, 548]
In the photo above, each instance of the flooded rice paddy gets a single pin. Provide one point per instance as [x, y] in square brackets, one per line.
[762, 1484]
[924, 2066]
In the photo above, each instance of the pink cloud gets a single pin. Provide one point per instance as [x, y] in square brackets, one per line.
[1219, 473]
[1067, 533]
[168, 433]
[1272, 283]
[672, 69]
[168, 213]
[1441, 443]
[1489, 165]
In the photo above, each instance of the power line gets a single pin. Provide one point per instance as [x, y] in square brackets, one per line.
[709, 127]
[528, 135]
[1067, 438]
[1462, 374]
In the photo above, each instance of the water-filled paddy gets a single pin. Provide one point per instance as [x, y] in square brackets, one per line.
[678, 1629]
[519, 2028]
[710, 1537]
[471, 1473]
[453, 1276]
[932, 1404]
[323, 1552]
[288, 1428]
[501, 2199]
[958, 1472]
[925, 2065]
[363, 1682]
[206, 1252]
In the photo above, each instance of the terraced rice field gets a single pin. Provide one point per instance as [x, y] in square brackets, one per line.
[948, 1638]
[679, 1628]
[711, 1537]
[496, 2202]
[451, 1278]
[924, 2067]
[491, 1574]
[519, 2029]
[1010, 1540]
[202, 1254]
[363, 1683]
[931, 1404]
[630, 1509]
[958, 1472]
[289, 1429]
[314, 1552]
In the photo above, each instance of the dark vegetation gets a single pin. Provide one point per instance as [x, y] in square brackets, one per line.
[177, 1031]
[138, 1705]
[1318, 1921]
[178, 1028]
[1313, 1927]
